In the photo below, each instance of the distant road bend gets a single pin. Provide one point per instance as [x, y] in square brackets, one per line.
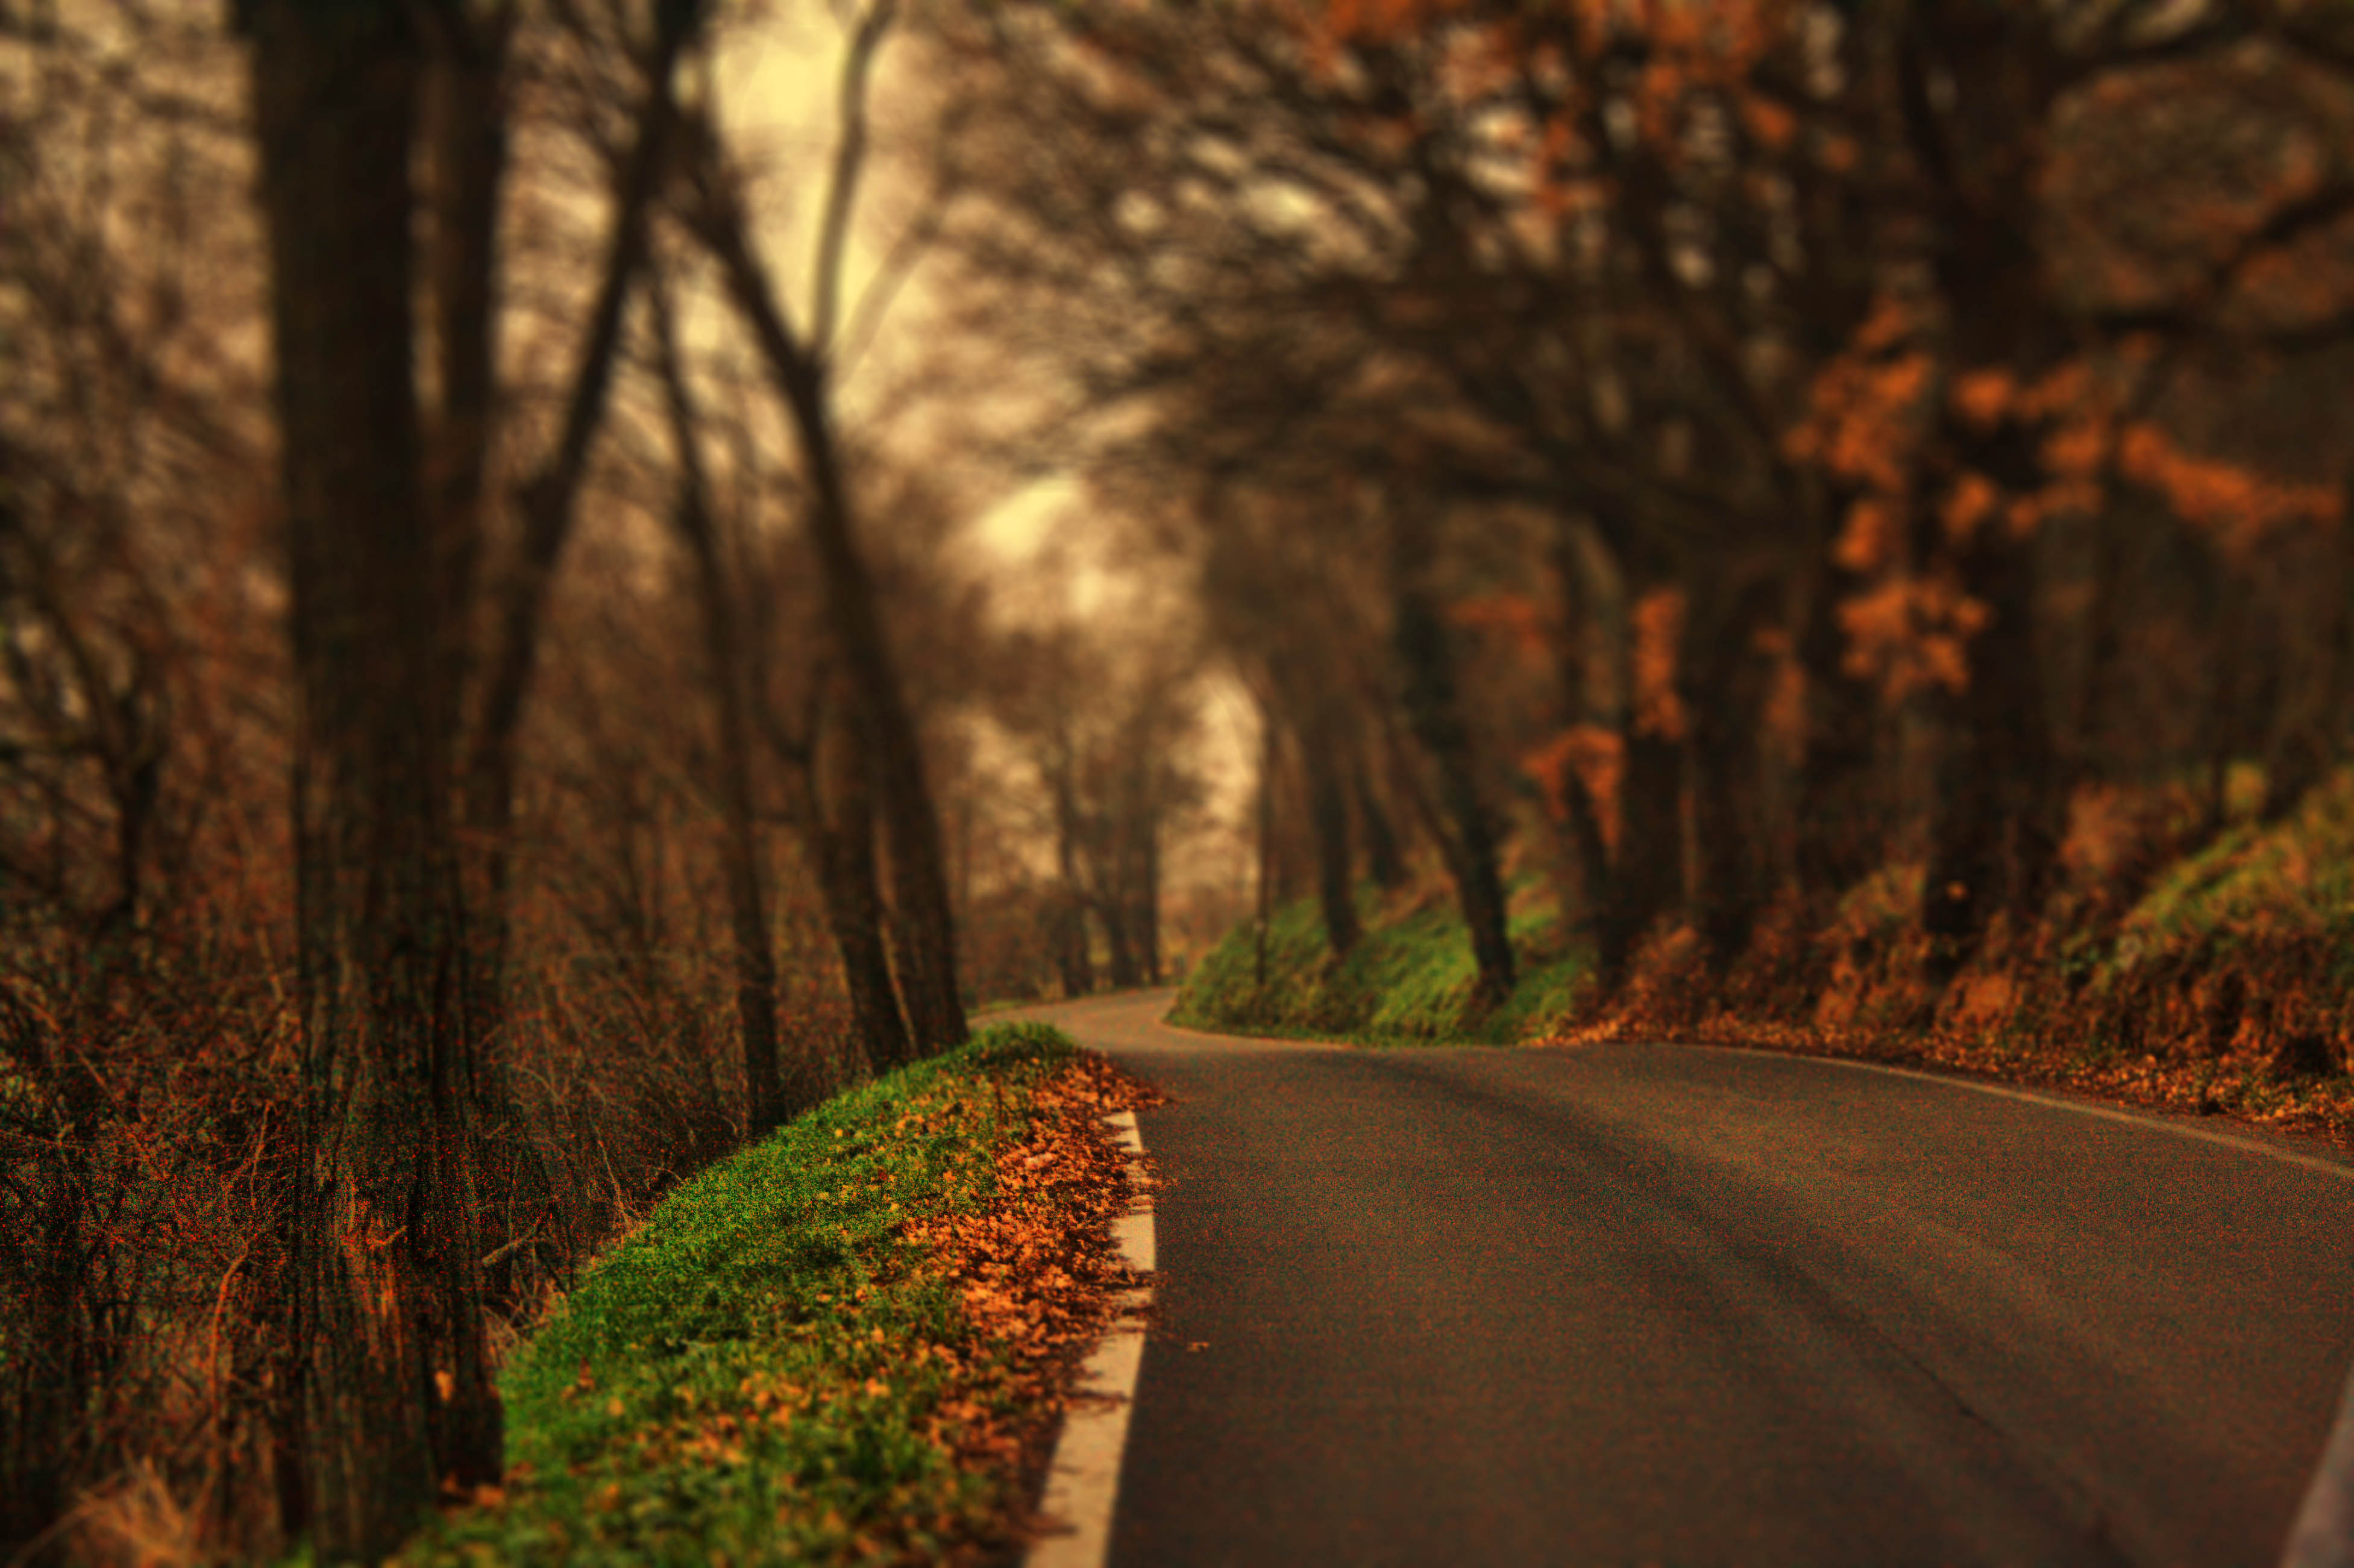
[1653, 1304]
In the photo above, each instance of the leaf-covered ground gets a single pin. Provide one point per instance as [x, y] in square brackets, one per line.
[848, 1345]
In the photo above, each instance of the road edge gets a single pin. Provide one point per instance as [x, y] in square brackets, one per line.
[1083, 1478]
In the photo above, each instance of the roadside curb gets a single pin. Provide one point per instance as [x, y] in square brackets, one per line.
[1083, 1478]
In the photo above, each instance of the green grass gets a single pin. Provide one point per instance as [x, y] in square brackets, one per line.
[1408, 981]
[759, 1374]
[2293, 877]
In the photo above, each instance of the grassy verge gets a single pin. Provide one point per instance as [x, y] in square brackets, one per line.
[1409, 980]
[845, 1344]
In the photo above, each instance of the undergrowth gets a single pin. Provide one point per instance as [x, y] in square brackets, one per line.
[786, 1363]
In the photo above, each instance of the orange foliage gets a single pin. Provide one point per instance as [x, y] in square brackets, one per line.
[1972, 500]
[1912, 633]
[1860, 422]
[1871, 541]
[1773, 126]
[1659, 633]
[2068, 386]
[2236, 505]
[1864, 409]
[2077, 449]
[1984, 397]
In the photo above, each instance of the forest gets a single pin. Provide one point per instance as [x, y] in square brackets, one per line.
[579, 577]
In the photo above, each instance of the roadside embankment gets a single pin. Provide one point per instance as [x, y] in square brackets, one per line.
[2209, 971]
[848, 1343]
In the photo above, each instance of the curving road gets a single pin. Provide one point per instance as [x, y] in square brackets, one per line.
[1677, 1305]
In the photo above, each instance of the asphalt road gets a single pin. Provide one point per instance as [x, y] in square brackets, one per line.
[1675, 1305]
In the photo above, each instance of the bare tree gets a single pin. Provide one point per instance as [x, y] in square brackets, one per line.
[800, 366]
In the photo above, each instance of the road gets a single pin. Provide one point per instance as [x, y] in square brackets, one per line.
[1636, 1304]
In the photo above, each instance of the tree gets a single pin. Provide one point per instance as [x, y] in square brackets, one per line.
[387, 1251]
[387, 1262]
[1105, 723]
[801, 368]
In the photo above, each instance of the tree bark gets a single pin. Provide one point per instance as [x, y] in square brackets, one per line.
[396, 1394]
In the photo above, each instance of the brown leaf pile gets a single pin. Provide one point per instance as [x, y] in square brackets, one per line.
[1037, 1272]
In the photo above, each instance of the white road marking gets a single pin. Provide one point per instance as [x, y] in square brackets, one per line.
[1083, 1481]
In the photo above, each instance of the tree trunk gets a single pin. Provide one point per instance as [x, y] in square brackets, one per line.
[1328, 809]
[396, 1394]
[833, 813]
[547, 503]
[2308, 733]
[1265, 889]
[1647, 874]
[1072, 953]
[1328, 816]
[927, 976]
[1728, 697]
[2227, 595]
[1072, 962]
[1147, 901]
[1840, 834]
[855, 898]
[1580, 816]
[1426, 671]
[767, 1105]
[465, 134]
[1974, 90]
[855, 905]
[1384, 861]
[1993, 834]
[1120, 944]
